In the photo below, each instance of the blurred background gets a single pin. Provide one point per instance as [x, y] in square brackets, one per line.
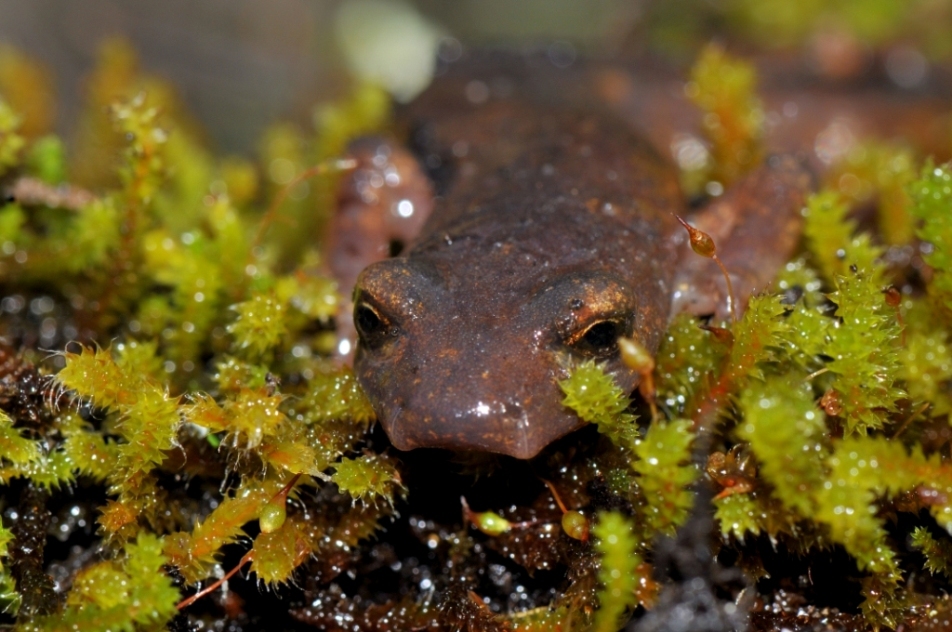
[240, 64]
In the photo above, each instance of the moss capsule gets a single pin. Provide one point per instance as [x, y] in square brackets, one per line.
[575, 525]
[273, 515]
[490, 523]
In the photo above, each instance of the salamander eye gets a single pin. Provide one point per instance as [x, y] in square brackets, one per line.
[599, 339]
[372, 327]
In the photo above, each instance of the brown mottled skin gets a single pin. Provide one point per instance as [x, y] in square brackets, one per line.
[553, 235]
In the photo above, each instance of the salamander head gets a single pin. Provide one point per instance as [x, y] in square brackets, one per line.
[472, 362]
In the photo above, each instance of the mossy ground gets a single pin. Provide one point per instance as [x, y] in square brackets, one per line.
[169, 411]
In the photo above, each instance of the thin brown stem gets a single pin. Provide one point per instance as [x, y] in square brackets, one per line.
[555, 495]
[284, 491]
[915, 415]
[342, 164]
[730, 288]
[185, 603]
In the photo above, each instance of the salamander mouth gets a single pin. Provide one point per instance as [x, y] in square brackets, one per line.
[501, 429]
[393, 424]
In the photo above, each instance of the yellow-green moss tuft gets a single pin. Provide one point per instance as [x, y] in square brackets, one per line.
[595, 397]
[618, 569]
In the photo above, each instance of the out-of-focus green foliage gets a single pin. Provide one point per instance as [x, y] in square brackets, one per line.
[932, 198]
[47, 159]
[828, 231]
[618, 569]
[723, 87]
[875, 171]
[838, 25]
[27, 87]
[11, 142]
[286, 152]
[925, 361]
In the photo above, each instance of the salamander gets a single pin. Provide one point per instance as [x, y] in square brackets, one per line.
[533, 231]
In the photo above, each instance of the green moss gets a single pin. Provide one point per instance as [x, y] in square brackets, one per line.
[595, 397]
[828, 232]
[788, 436]
[665, 473]
[273, 515]
[277, 553]
[938, 553]
[740, 516]
[17, 450]
[618, 569]
[130, 593]
[804, 331]
[687, 359]
[334, 394]
[193, 553]
[9, 597]
[249, 419]
[757, 339]
[146, 417]
[155, 261]
[541, 620]
[830, 236]
[368, 478]
[865, 339]
[863, 350]
[260, 326]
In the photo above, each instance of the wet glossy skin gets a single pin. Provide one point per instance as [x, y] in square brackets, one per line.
[553, 236]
